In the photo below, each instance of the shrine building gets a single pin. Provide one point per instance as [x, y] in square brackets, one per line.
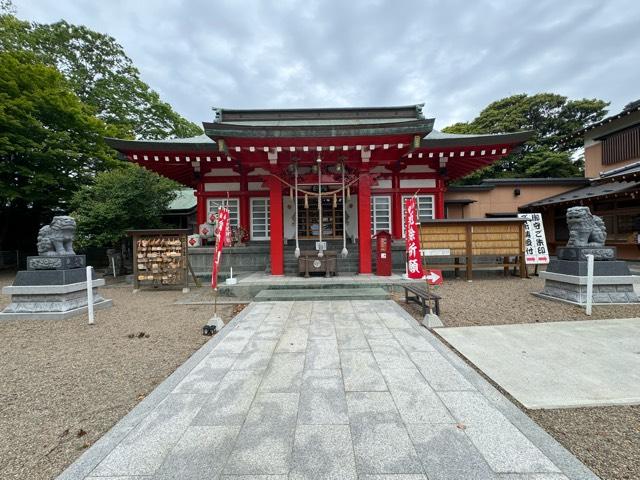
[343, 172]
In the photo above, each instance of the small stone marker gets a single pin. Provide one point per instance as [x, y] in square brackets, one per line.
[431, 320]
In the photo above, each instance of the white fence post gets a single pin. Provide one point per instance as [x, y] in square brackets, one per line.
[589, 283]
[90, 295]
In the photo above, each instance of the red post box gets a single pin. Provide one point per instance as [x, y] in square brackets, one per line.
[383, 254]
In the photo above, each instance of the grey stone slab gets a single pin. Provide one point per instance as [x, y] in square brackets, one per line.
[384, 448]
[372, 407]
[199, 454]
[503, 446]
[373, 328]
[394, 477]
[322, 354]
[412, 340]
[323, 452]
[253, 477]
[389, 354]
[142, 451]
[207, 374]
[440, 374]
[232, 399]
[322, 398]
[351, 338]
[235, 341]
[284, 373]
[269, 331]
[361, 372]
[415, 399]
[265, 442]
[321, 328]
[255, 356]
[446, 452]
[293, 339]
[392, 320]
[593, 362]
[532, 476]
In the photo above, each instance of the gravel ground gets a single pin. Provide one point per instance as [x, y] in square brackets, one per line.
[606, 439]
[63, 383]
[498, 301]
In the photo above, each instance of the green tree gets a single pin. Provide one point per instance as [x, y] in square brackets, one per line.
[551, 150]
[100, 73]
[124, 198]
[50, 141]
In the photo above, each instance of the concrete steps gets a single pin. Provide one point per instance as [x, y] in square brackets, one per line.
[290, 294]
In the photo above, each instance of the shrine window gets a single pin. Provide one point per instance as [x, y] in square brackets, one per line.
[232, 203]
[380, 214]
[425, 208]
[260, 219]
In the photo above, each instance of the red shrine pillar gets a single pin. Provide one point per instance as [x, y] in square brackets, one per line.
[276, 226]
[364, 222]
[201, 205]
[439, 206]
[245, 209]
[396, 205]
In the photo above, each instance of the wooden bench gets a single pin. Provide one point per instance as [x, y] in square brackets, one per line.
[421, 297]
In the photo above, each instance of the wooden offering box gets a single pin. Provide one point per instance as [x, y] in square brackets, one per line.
[160, 257]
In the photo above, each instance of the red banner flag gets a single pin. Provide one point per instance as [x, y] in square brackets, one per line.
[221, 235]
[412, 236]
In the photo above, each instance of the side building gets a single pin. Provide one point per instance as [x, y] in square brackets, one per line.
[612, 169]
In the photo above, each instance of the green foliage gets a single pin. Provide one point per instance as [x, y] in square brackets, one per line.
[553, 118]
[101, 74]
[50, 142]
[130, 197]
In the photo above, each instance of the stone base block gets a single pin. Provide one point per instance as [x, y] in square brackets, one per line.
[600, 267]
[51, 301]
[580, 253]
[51, 277]
[573, 289]
[56, 262]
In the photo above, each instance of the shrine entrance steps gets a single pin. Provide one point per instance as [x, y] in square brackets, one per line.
[329, 292]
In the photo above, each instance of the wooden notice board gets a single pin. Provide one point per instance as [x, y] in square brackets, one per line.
[160, 257]
[468, 238]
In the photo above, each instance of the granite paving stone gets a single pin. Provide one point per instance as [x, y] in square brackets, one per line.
[323, 452]
[504, 447]
[322, 353]
[322, 398]
[293, 339]
[318, 390]
[446, 452]
[284, 374]
[199, 452]
[415, 399]
[389, 354]
[232, 399]
[351, 338]
[265, 442]
[440, 374]
[207, 375]
[361, 372]
[412, 340]
[384, 448]
[142, 451]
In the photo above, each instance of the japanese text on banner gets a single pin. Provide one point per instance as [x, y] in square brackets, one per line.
[414, 261]
[535, 243]
[221, 235]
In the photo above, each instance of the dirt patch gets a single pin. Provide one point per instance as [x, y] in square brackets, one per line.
[606, 439]
[63, 384]
[499, 301]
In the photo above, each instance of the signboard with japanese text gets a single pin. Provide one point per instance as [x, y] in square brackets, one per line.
[221, 236]
[535, 243]
[414, 261]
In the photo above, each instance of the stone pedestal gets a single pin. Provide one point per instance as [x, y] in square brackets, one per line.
[51, 294]
[566, 280]
[56, 262]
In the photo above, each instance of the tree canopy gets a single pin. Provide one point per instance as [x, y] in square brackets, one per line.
[100, 73]
[126, 198]
[553, 119]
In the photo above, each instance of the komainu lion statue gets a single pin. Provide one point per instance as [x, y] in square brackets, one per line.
[57, 237]
[585, 229]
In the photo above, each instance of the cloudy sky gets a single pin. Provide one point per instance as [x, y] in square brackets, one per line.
[455, 56]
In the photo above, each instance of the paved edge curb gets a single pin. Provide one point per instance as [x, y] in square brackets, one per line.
[90, 459]
[570, 465]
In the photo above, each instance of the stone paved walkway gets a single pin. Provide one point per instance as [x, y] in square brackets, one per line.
[326, 390]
